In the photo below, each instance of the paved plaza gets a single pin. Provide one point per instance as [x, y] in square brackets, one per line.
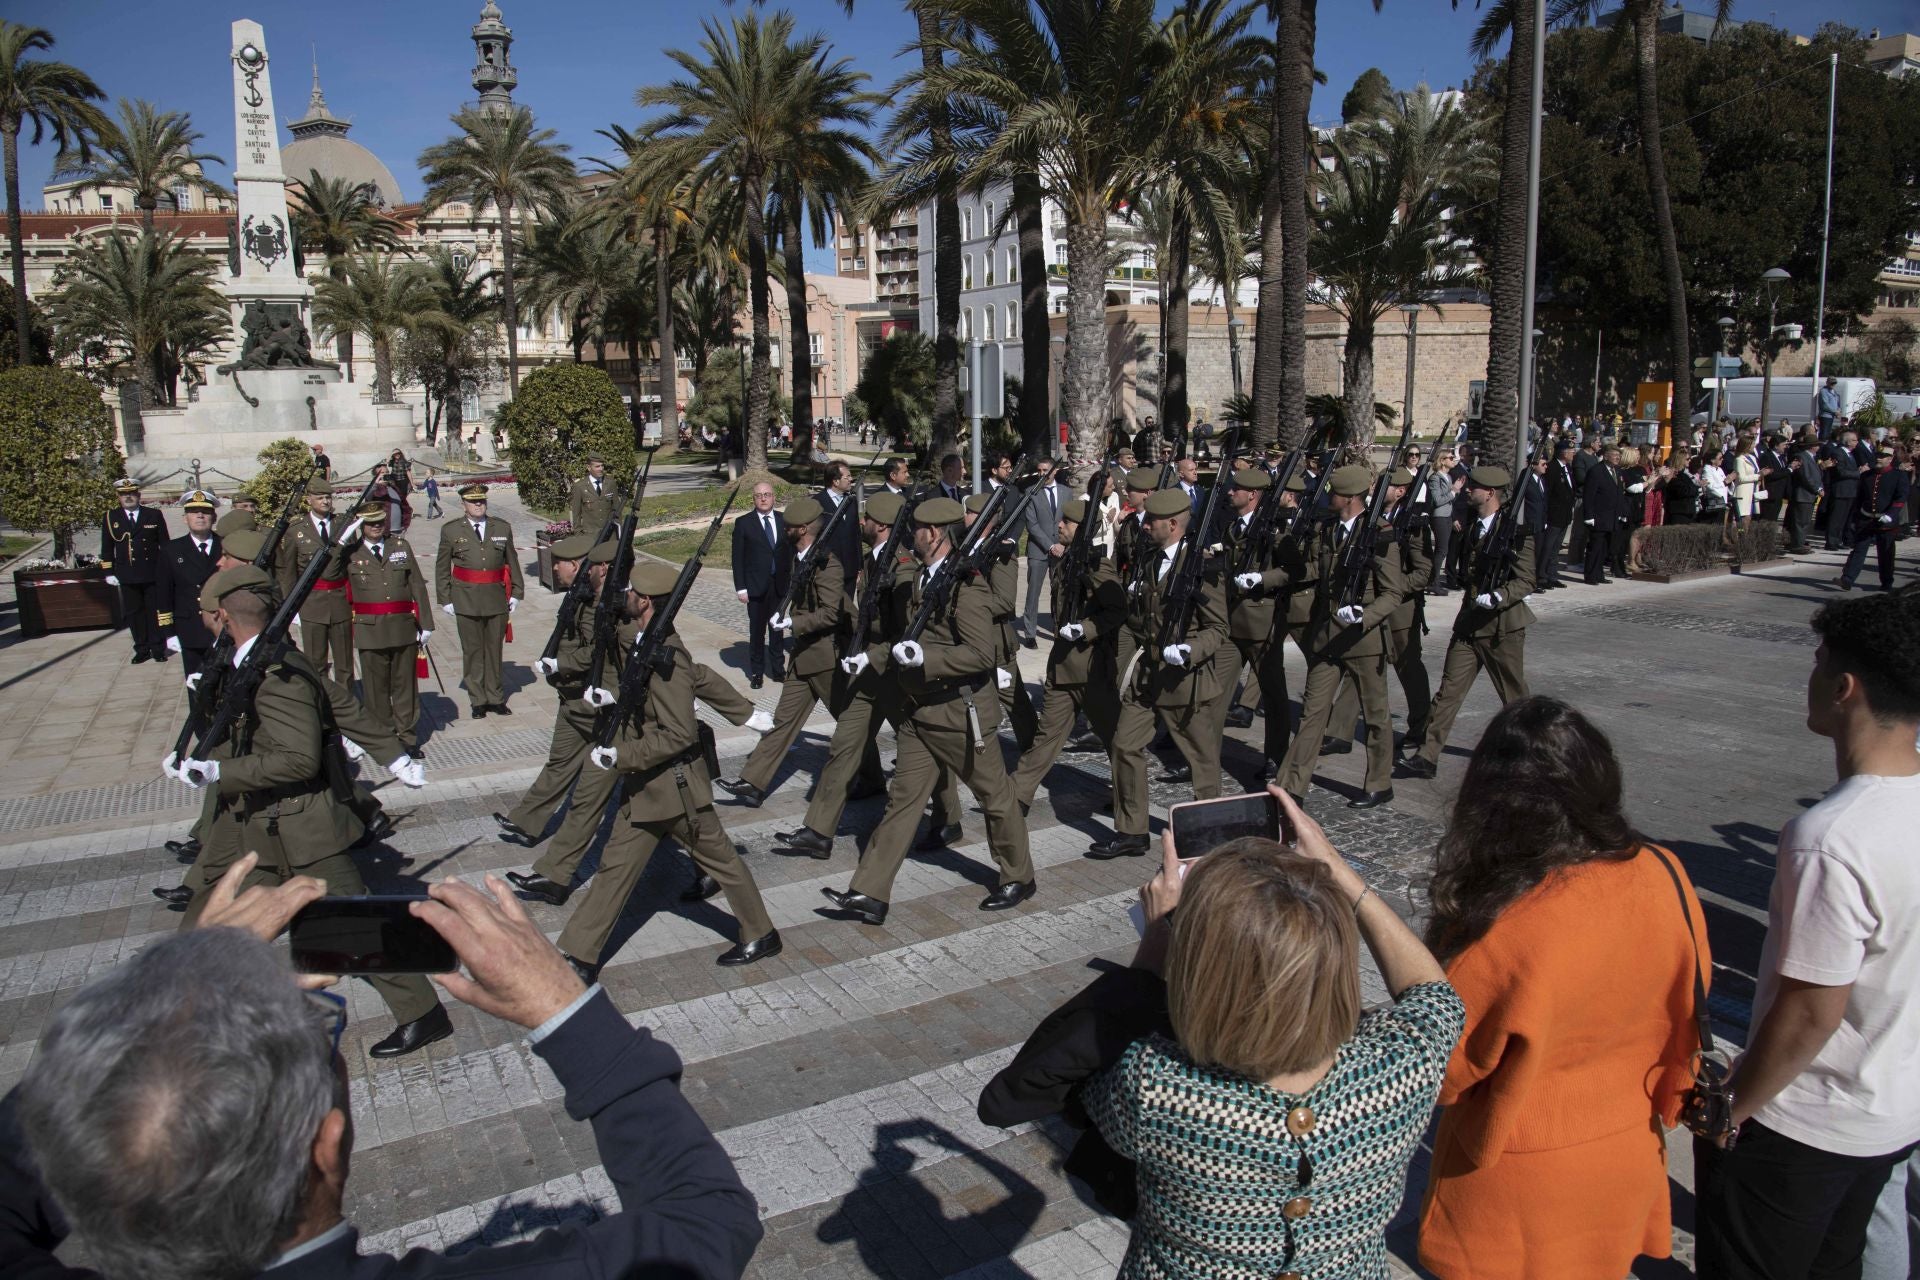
[842, 1075]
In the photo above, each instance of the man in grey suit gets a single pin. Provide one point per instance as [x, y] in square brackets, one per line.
[1043, 543]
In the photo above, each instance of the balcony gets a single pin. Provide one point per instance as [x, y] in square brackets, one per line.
[1903, 269]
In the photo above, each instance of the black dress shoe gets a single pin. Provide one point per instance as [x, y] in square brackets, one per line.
[748, 952]
[1371, 799]
[587, 971]
[941, 837]
[379, 829]
[418, 1034]
[512, 833]
[865, 790]
[176, 895]
[1118, 847]
[161, 655]
[1270, 770]
[1419, 767]
[703, 887]
[478, 711]
[806, 841]
[1240, 718]
[1008, 895]
[185, 850]
[754, 682]
[1177, 773]
[745, 792]
[540, 887]
[1086, 742]
[1335, 746]
[858, 905]
[1028, 642]
[501, 709]
[138, 658]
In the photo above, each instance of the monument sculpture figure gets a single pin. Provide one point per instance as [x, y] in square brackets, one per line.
[271, 341]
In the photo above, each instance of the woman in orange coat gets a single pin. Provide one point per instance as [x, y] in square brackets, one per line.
[1564, 933]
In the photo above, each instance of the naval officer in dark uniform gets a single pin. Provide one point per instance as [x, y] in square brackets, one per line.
[131, 538]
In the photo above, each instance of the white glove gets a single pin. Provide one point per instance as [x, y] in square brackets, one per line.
[422, 637]
[1886, 519]
[1072, 631]
[513, 602]
[742, 595]
[1491, 599]
[780, 622]
[760, 722]
[351, 529]
[547, 666]
[604, 757]
[856, 664]
[908, 653]
[598, 698]
[1589, 521]
[1246, 581]
[294, 622]
[447, 609]
[1636, 488]
[170, 767]
[353, 749]
[198, 773]
[193, 683]
[1177, 654]
[173, 644]
[112, 581]
[1003, 677]
[409, 771]
[1349, 615]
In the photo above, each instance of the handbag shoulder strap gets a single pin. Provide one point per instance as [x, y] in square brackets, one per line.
[1702, 1018]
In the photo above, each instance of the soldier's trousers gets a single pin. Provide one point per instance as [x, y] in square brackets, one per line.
[1324, 679]
[481, 641]
[1016, 704]
[925, 755]
[566, 757]
[409, 996]
[329, 647]
[1414, 686]
[798, 695]
[143, 624]
[1194, 731]
[628, 850]
[391, 691]
[1504, 659]
[593, 791]
[852, 753]
[1266, 686]
[1061, 706]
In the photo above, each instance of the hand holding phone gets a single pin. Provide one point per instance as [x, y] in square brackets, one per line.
[369, 934]
[1200, 826]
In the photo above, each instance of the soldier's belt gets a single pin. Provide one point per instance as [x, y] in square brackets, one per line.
[330, 584]
[382, 608]
[480, 576]
[952, 693]
[254, 801]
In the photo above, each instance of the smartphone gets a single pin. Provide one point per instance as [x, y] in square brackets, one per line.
[1203, 825]
[367, 935]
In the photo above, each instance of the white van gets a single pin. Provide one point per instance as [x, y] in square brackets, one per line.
[1792, 399]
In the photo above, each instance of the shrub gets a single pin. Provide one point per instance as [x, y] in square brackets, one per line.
[1689, 548]
[58, 456]
[563, 413]
[284, 467]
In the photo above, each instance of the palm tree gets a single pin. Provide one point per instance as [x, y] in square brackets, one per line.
[382, 298]
[149, 152]
[55, 99]
[577, 267]
[500, 158]
[704, 313]
[1500, 431]
[459, 352]
[1280, 332]
[147, 301]
[896, 386]
[334, 217]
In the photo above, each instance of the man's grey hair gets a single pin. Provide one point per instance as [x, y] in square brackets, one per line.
[172, 1108]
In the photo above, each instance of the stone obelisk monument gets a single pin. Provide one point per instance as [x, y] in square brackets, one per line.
[266, 273]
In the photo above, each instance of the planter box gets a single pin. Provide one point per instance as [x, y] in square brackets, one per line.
[1718, 571]
[65, 600]
[543, 551]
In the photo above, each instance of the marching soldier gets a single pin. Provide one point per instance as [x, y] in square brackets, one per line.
[477, 577]
[245, 502]
[1415, 551]
[590, 501]
[1251, 606]
[282, 783]
[185, 565]
[941, 678]
[235, 521]
[1080, 674]
[1179, 682]
[1003, 578]
[669, 795]
[1490, 632]
[391, 617]
[131, 538]
[326, 627]
[574, 720]
[1346, 641]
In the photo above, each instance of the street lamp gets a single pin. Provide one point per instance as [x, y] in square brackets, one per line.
[1533, 388]
[1772, 281]
[1057, 357]
[1234, 325]
[1411, 310]
[1726, 327]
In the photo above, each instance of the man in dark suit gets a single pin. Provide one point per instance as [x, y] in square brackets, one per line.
[1533, 510]
[762, 563]
[899, 476]
[131, 539]
[1877, 514]
[1585, 459]
[1044, 548]
[1775, 480]
[1805, 484]
[953, 478]
[1187, 475]
[1842, 468]
[1606, 511]
[844, 543]
[1562, 499]
[185, 565]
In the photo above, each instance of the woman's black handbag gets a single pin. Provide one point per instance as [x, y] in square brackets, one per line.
[1707, 1106]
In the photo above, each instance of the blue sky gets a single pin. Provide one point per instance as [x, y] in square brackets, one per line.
[398, 68]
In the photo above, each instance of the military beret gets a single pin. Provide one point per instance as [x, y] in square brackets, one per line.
[1168, 502]
[249, 499]
[651, 578]
[317, 487]
[242, 577]
[1351, 481]
[976, 502]
[884, 508]
[475, 492]
[125, 485]
[1401, 476]
[198, 500]
[594, 457]
[372, 512]
[800, 511]
[937, 511]
[1489, 477]
[233, 522]
[1143, 479]
[1252, 478]
[1296, 483]
[602, 552]
[575, 545]
[1074, 511]
[242, 544]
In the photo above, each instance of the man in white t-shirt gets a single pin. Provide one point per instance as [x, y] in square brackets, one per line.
[1827, 1096]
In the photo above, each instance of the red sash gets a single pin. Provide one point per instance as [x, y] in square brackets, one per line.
[329, 584]
[367, 608]
[478, 576]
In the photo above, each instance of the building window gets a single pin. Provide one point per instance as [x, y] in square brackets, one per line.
[461, 260]
[180, 196]
[1013, 265]
[1060, 251]
[966, 223]
[814, 348]
[966, 271]
[987, 230]
[106, 201]
[966, 325]
[1013, 319]
[986, 263]
[986, 316]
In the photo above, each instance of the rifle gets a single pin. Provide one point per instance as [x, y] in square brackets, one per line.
[880, 575]
[271, 546]
[969, 557]
[1353, 566]
[1074, 565]
[649, 652]
[613, 590]
[1183, 592]
[1493, 561]
[620, 521]
[1308, 512]
[808, 561]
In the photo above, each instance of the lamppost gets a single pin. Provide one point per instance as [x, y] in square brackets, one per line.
[1412, 312]
[1533, 393]
[1726, 326]
[1234, 325]
[1772, 281]
[1056, 357]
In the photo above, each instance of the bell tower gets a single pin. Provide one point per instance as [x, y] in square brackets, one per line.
[493, 76]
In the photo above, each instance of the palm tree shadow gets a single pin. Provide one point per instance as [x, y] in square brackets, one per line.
[895, 1213]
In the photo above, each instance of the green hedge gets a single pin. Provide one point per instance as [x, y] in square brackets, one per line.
[563, 413]
[58, 455]
[1688, 548]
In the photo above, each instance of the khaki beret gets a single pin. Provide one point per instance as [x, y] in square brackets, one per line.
[242, 544]
[372, 512]
[602, 552]
[575, 545]
[1252, 478]
[937, 511]
[1296, 483]
[1401, 476]
[242, 577]
[1143, 479]
[1169, 502]
[475, 492]
[1489, 477]
[651, 578]
[884, 508]
[243, 496]
[1074, 511]
[594, 457]
[317, 487]
[1350, 482]
[233, 522]
[198, 500]
[976, 502]
[801, 511]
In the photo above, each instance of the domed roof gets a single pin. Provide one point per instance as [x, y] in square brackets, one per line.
[320, 143]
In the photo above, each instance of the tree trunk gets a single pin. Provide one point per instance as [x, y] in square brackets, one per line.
[946, 267]
[1038, 434]
[795, 251]
[507, 296]
[1269, 324]
[1177, 305]
[1500, 412]
[146, 204]
[754, 194]
[382, 370]
[600, 352]
[1295, 226]
[1086, 380]
[663, 326]
[1357, 370]
[454, 403]
[337, 268]
[1646, 35]
[22, 314]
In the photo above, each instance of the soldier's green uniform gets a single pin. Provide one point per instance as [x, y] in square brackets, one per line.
[669, 795]
[390, 611]
[477, 571]
[1415, 552]
[1183, 696]
[325, 624]
[573, 719]
[818, 613]
[1080, 672]
[1338, 650]
[1257, 644]
[235, 522]
[949, 727]
[1494, 640]
[590, 502]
